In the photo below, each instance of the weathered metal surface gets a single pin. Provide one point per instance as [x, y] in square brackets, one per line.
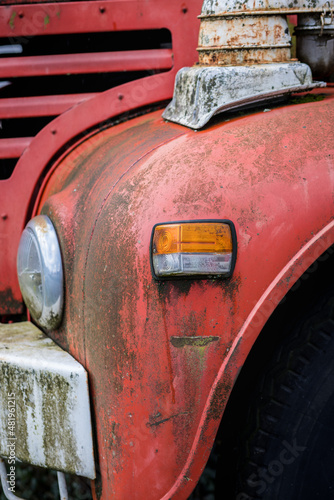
[47, 421]
[158, 400]
[258, 29]
[315, 44]
[82, 16]
[202, 92]
[242, 60]
[8, 302]
[10, 2]
[199, 341]
[237, 33]
[236, 57]
[244, 7]
[78, 17]
[244, 40]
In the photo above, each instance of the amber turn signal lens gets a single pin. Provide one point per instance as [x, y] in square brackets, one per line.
[193, 249]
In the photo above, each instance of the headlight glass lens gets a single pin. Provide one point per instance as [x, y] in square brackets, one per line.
[29, 268]
[40, 272]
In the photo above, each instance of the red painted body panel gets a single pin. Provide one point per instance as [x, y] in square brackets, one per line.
[158, 396]
[25, 107]
[17, 194]
[63, 64]
[54, 18]
[13, 148]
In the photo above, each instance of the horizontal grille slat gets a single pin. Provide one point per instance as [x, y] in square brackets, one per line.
[25, 107]
[13, 147]
[101, 62]
[74, 17]
[55, 55]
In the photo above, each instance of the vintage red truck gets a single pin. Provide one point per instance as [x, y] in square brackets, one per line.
[167, 215]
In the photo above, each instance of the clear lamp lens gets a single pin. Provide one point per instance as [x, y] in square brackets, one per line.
[40, 272]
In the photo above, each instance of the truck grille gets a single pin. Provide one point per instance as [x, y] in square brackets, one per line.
[42, 75]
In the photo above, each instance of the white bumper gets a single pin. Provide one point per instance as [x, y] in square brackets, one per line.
[44, 403]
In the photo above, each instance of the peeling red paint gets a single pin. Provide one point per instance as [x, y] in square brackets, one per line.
[9, 304]
[163, 357]
[162, 403]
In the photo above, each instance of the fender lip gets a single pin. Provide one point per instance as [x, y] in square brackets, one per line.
[195, 276]
[222, 387]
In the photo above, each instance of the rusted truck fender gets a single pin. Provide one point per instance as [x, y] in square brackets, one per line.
[162, 357]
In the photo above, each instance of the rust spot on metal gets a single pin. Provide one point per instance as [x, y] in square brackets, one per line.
[221, 394]
[9, 304]
[165, 288]
[169, 357]
[114, 440]
[244, 39]
[42, 225]
[154, 423]
[235, 57]
[196, 341]
[231, 286]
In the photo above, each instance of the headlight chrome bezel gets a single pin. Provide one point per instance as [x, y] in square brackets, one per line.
[40, 236]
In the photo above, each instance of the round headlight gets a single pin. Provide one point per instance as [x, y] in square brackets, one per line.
[40, 272]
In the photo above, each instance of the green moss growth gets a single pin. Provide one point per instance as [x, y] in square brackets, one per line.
[307, 98]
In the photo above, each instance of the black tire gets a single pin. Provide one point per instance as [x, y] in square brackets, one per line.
[284, 446]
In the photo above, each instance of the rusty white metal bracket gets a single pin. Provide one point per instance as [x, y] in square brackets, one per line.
[244, 58]
[11, 496]
[246, 7]
[44, 403]
[201, 92]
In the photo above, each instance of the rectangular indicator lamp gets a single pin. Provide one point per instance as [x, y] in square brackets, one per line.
[193, 249]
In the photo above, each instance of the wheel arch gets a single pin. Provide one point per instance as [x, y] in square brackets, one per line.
[300, 268]
[270, 344]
